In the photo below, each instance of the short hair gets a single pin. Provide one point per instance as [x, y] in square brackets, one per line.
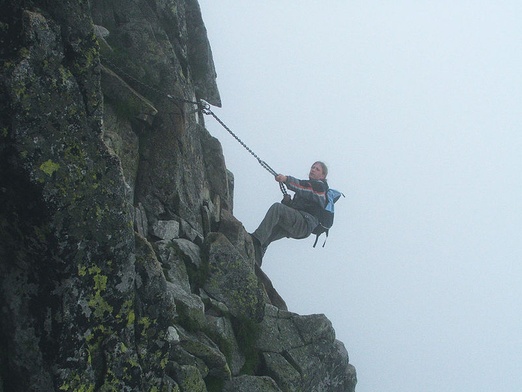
[323, 166]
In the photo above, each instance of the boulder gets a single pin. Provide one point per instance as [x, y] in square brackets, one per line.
[200, 346]
[231, 279]
[165, 229]
[301, 353]
[222, 333]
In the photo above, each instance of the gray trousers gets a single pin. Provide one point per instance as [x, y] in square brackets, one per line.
[282, 221]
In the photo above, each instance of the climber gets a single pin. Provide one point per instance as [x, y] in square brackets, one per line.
[293, 218]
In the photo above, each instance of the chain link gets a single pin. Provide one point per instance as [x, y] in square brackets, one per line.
[206, 110]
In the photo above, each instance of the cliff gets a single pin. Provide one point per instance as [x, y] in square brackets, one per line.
[122, 267]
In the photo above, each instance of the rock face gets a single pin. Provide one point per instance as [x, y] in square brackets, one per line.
[122, 267]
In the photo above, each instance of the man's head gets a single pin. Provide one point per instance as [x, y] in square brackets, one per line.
[318, 171]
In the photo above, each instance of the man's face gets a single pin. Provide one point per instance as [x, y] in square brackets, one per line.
[316, 172]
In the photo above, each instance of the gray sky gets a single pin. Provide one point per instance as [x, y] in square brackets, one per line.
[415, 107]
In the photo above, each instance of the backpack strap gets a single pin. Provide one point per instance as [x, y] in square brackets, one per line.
[317, 238]
[324, 243]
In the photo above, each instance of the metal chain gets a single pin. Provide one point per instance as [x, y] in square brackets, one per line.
[205, 109]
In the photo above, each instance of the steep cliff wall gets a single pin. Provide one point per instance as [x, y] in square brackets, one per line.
[122, 266]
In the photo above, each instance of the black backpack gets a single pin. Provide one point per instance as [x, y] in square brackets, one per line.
[326, 216]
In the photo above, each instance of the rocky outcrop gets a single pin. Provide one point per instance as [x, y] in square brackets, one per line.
[122, 266]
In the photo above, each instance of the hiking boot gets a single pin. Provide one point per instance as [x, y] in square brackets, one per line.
[258, 249]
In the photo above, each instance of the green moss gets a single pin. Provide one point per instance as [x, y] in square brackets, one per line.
[24, 52]
[99, 306]
[76, 384]
[82, 270]
[63, 78]
[244, 296]
[49, 167]
[89, 55]
[100, 282]
[93, 53]
[94, 343]
[144, 324]
[128, 310]
[163, 362]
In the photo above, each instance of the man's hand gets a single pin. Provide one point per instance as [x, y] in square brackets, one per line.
[280, 178]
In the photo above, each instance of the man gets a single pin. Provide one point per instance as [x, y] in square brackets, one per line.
[295, 218]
